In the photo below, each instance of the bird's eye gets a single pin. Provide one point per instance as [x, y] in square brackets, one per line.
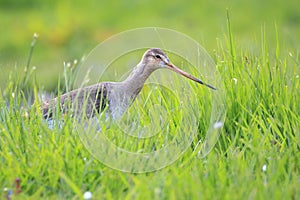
[157, 56]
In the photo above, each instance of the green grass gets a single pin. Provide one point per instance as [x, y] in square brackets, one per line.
[69, 29]
[257, 55]
[261, 128]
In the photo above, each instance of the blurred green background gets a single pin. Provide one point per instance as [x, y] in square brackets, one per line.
[70, 29]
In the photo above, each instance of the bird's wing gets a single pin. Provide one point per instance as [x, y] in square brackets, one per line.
[88, 100]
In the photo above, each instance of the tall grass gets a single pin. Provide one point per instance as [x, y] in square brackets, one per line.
[256, 157]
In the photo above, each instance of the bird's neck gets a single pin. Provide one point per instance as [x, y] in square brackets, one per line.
[125, 92]
[135, 81]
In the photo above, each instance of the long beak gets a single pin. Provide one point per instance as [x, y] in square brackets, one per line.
[183, 73]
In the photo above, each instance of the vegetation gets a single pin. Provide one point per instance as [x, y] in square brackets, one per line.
[257, 155]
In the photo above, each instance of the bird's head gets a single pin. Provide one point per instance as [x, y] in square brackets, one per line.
[155, 59]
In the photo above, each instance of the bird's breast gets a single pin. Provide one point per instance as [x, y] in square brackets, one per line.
[119, 101]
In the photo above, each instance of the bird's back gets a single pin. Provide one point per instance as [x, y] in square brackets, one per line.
[83, 101]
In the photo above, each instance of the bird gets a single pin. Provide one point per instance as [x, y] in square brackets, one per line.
[114, 97]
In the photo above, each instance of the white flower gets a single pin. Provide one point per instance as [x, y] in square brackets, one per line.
[264, 168]
[87, 195]
[218, 125]
[235, 80]
[35, 35]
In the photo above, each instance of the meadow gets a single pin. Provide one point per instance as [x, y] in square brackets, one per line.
[255, 46]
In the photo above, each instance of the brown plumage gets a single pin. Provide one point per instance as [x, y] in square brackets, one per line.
[116, 96]
[75, 100]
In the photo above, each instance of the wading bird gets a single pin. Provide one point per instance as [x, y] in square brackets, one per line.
[115, 97]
